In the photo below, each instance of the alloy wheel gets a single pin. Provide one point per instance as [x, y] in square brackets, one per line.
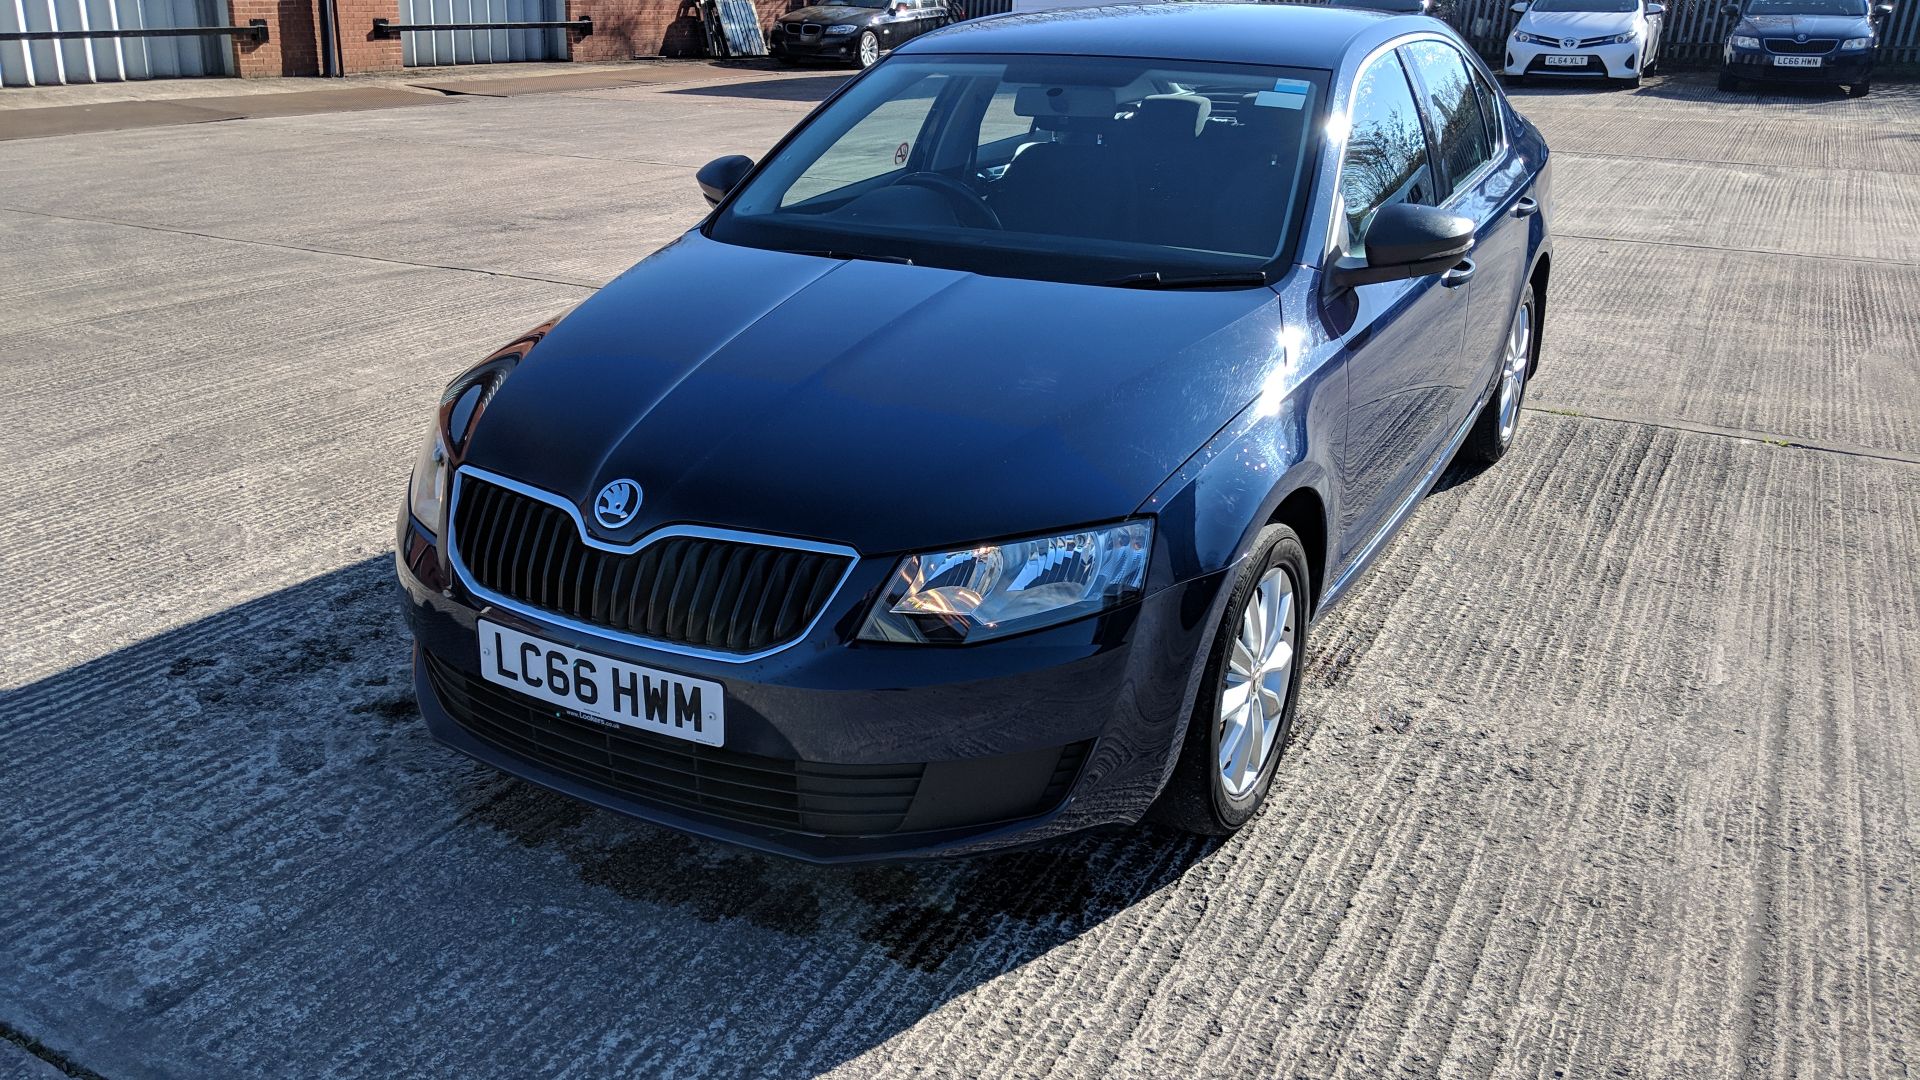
[869, 50]
[1513, 371]
[1259, 674]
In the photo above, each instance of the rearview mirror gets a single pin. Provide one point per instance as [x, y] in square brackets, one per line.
[1406, 240]
[721, 175]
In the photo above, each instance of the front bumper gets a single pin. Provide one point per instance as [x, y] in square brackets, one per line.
[1836, 67]
[1600, 61]
[812, 47]
[985, 746]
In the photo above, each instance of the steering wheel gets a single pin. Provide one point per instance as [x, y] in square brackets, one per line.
[971, 208]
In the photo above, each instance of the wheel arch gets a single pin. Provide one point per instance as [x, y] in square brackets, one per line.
[1304, 510]
[1542, 270]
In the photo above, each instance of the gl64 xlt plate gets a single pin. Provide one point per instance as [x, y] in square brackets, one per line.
[602, 688]
[1566, 61]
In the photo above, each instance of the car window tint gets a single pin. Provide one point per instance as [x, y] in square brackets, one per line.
[1386, 159]
[1453, 109]
[1000, 120]
[878, 144]
[1489, 107]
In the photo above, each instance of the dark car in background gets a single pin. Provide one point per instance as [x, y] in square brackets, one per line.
[976, 471]
[857, 32]
[1826, 42]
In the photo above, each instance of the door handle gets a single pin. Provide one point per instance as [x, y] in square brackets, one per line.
[1526, 207]
[1459, 275]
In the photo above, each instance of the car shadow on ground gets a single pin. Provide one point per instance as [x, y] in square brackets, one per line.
[367, 846]
[809, 88]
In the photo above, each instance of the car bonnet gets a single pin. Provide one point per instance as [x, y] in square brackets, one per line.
[884, 406]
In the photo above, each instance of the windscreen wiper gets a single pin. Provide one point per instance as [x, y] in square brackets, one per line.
[848, 255]
[1154, 279]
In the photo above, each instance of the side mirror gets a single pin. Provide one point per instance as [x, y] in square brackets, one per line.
[1731, 11]
[719, 176]
[1882, 11]
[1521, 7]
[1656, 9]
[1407, 240]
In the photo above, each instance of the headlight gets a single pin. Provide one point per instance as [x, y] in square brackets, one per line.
[427, 490]
[1528, 39]
[1741, 41]
[461, 405]
[841, 29]
[1622, 39]
[1855, 44]
[992, 590]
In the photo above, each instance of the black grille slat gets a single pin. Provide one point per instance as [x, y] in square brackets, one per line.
[1810, 47]
[721, 595]
[846, 800]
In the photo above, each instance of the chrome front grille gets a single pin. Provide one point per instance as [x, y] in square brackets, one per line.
[1809, 47]
[729, 597]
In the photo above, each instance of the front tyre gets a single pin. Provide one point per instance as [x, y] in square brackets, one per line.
[866, 52]
[1499, 422]
[1244, 713]
[1860, 89]
[1728, 83]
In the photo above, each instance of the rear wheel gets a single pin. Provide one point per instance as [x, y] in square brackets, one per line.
[866, 52]
[1244, 715]
[1493, 433]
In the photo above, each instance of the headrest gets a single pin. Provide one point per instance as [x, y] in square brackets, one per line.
[1174, 115]
[1065, 101]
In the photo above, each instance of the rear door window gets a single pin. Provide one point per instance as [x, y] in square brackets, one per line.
[1452, 108]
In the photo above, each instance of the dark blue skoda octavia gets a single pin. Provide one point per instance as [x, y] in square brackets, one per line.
[976, 471]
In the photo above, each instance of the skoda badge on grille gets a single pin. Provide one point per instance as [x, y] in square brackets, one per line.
[617, 503]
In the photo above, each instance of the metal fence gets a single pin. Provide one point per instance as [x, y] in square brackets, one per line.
[84, 41]
[1694, 31]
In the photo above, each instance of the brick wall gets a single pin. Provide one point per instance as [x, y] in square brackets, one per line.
[622, 30]
[360, 51]
[293, 38]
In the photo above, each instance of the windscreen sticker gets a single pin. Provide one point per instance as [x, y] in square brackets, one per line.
[1275, 99]
[1286, 94]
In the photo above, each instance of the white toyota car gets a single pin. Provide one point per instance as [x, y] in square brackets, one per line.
[1595, 39]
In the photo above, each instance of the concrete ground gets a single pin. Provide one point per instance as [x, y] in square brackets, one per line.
[1612, 767]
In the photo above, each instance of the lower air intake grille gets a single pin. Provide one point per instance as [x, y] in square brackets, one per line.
[837, 800]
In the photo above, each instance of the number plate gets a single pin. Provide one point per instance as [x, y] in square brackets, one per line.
[1796, 61]
[604, 689]
[1566, 61]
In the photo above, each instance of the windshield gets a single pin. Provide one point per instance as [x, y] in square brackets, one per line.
[1064, 168]
[1616, 7]
[1808, 7]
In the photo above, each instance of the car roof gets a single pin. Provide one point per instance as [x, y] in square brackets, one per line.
[1284, 35]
